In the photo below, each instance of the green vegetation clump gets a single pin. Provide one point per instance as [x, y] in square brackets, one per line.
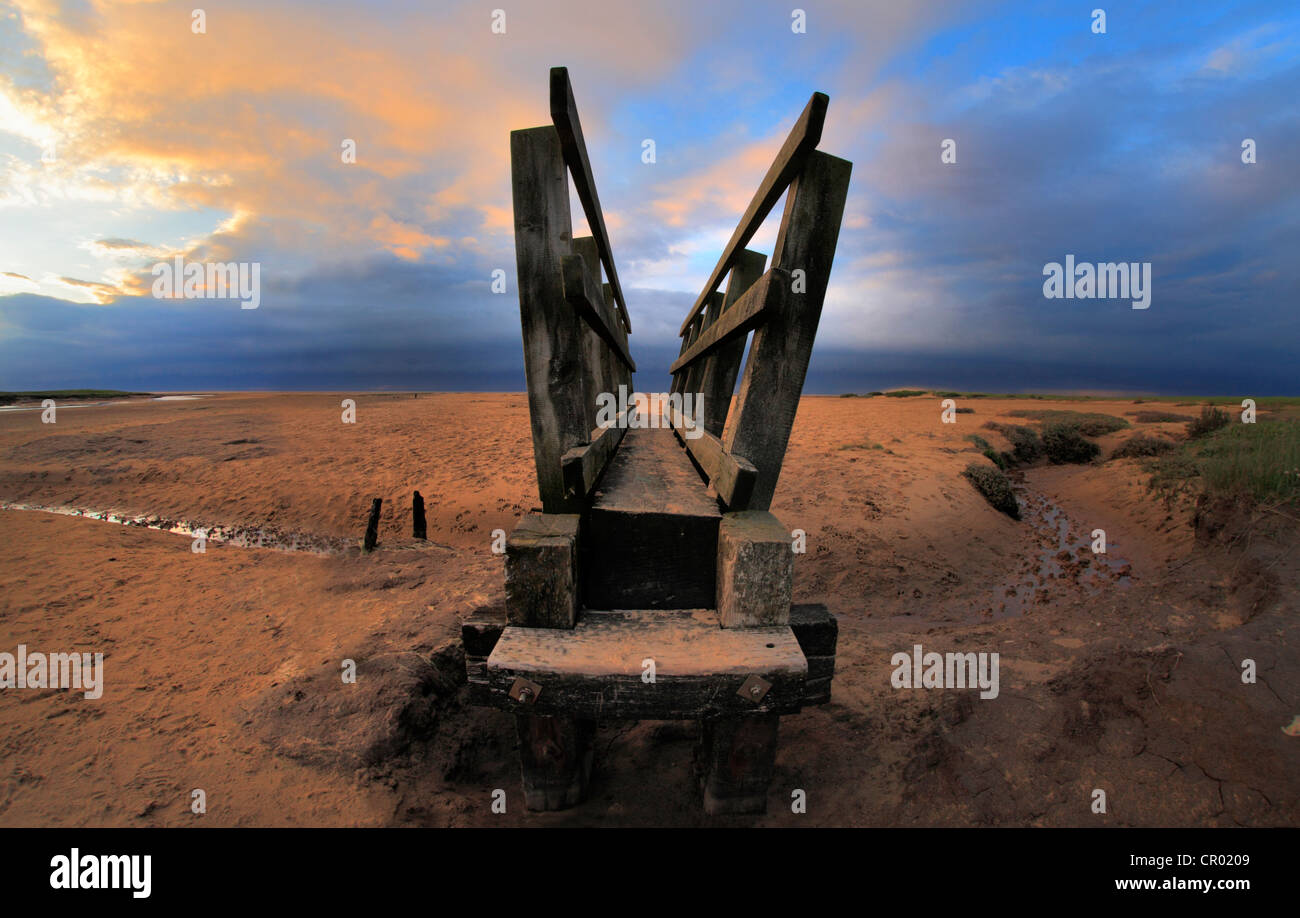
[1087, 423]
[906, 393]
[1140, 446]
[1158, 417]
[995, 487]
[1257, 461]
[1211, 419]
[1001, 460]
[873, 394]
[1252, 462]
[1063, 443]
[1025, 445]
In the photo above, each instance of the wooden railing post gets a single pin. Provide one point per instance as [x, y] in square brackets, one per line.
[596, 358]
[692, 333]
[782, 346]
[721, 370]
[552, 330]
[622, 375]
[678, 377]
[694, 375]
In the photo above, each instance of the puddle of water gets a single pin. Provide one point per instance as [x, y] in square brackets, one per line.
[64, 406]
[1063, 561]
[241, 536]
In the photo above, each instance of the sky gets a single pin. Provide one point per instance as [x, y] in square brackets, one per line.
[128, 138]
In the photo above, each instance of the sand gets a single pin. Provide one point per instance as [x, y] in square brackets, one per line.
[222, 669]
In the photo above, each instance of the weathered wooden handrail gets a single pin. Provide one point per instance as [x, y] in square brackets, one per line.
[802, 140]
[564, 115]
[782, 309]
[780, 349]
[583, 464]
[758, 303]
[732, 477]
[581, 291]
[718, 380]
[575, 344]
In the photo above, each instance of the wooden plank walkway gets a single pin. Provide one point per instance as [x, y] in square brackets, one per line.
[651, 538]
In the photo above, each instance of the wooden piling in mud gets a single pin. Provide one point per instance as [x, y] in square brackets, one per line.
[372, 527]
[419, 528]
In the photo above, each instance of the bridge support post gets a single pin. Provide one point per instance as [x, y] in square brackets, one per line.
[755, 570]
[542, 571]
[555, 755]
[739, 758]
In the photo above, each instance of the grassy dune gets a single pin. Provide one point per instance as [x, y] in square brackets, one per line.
[1258, 462]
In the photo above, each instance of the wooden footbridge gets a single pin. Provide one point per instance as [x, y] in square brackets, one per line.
[655, 583]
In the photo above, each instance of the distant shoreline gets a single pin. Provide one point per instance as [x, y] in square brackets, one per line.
[21, 397]
[67, 395]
